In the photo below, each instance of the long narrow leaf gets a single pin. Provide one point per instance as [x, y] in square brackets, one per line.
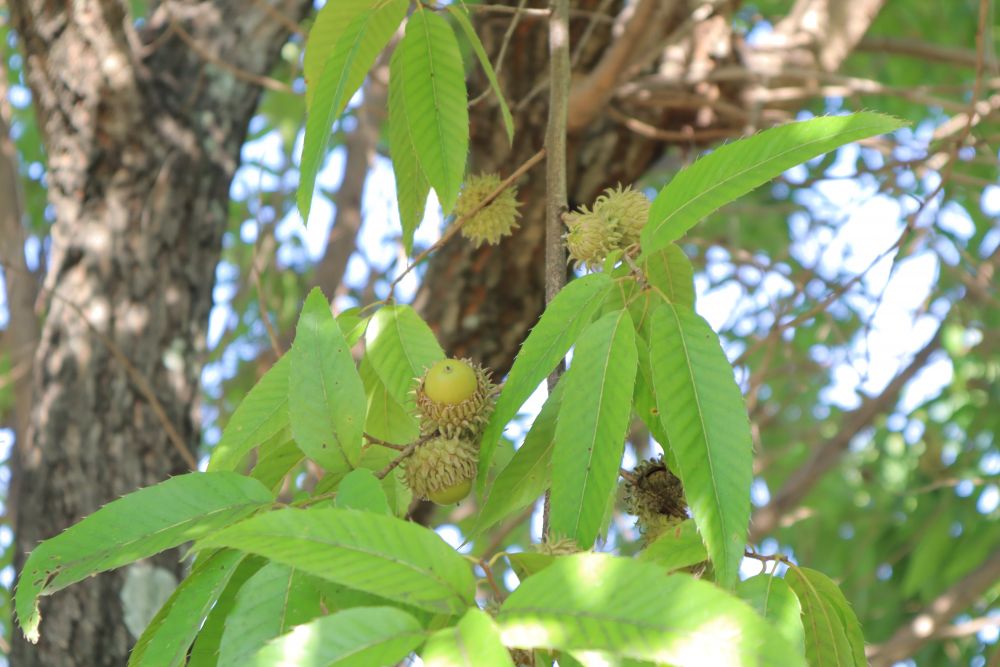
[274, 600]
[377, 554]
[344, 69]
[702, 412]
[596, 602]
[136, 526]
[731, 171]
[359, 637]
[166, 639]
[400, 347]
[474, 642]
[412, 186]
[436, 102]
[326, 396]
[833, 634]
[484, 60]
[590, 431]
[549, 341]
[528, 473]
[262, 413]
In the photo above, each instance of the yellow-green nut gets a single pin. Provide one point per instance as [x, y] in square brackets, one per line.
[450, 381]
[656, 497]
[441, 469]
[590, 238]
[455, 399]
[495, 220]
[626, 210]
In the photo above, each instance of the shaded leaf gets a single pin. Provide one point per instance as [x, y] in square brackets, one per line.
[400, 348]
[274, 600]
[590, 430]
[549, 341]
[677, 548]
[366, 28]
[528, 473]
[377, 554]
[262, 413]
[774, 600]
[702, 411]
[670, 271]
[412, 186]
[138, 525]
[326, 398]
[166, 639]
[832, 632]
[361, 490]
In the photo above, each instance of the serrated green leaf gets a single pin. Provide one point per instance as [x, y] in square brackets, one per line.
[377, 554]
[484, 60]
[731, 171]
[166, 639]
[833, 635]
[527, 563]
[326, 398]
[412, 186]
[136, 526]
[590, 430]
[528, 473]
[774, 600]
[361, 490]
[401, 347]
[436, 102]
[474, 642]
[670, 272]
[262, 413]
[359, 637]
[363, 36]
[352, 325]
[205, 652]
[277, 461]
[596, 602]
[549, 341]
[677, 548]
[274, 600]
[386, 419]
[702, 411]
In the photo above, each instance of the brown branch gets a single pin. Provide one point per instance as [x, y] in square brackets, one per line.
[590, 94]
[19, 340]
[949, 55]
[828, 454]
[932, 621]
[241, 74]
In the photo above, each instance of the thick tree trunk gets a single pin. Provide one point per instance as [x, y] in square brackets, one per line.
[143, 140]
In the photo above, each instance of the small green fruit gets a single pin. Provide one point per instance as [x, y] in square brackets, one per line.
[451, 494]
[450, 381]
[455, 399]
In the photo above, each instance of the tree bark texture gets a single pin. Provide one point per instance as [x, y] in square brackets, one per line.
[143, 130]
[660, 76]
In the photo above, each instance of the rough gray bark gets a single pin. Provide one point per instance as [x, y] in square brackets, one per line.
[143, 133]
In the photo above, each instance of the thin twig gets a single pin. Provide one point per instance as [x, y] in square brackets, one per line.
[497, 591]
[241, 74]
[403, 455]
[456, 226]
[555, 173]
[383, 443]
[503, 50]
